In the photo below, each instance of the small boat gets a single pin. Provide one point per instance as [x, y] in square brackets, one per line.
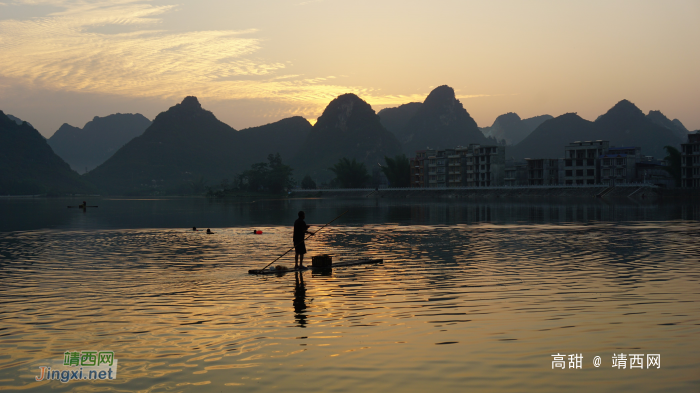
[365, 261]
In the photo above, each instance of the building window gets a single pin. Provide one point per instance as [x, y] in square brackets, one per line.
[568, 162]
[579, 162]
[569, 173]
[579, 172]
[590, 162]
[590, 172]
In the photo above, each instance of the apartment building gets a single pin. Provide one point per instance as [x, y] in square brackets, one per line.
[483, 166]
[618, 165]
[543, 171]
[418, 169]
[454, 166]
[581, 164]
[471, 166]
[652, 171]
[690, 162]
[515, 173]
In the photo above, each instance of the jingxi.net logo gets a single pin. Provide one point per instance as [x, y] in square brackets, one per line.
[83, 365]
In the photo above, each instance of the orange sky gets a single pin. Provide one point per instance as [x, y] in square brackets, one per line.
[253, 63]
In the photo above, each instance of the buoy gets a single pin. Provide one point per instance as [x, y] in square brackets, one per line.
[257, 232]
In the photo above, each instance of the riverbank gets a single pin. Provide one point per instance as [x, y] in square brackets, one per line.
[640, 192]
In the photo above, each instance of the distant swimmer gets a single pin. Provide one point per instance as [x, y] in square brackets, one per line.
[209, 232]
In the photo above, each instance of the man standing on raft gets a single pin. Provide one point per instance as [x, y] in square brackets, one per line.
[300, 229]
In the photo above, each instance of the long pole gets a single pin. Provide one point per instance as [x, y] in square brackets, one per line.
[319, 230]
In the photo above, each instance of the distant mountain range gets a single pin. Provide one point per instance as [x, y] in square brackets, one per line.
[98, 140]
[395, 120]
[439, 122]
[187, 147]
[28, 166]
[15, 119]
[183, 145]
[623, 125]
[511, 129]
[674, 125]
[350, 128]
[286, 137]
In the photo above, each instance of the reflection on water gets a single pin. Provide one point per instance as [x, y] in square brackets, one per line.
[300, 299]
[469, 297]
[30, 214]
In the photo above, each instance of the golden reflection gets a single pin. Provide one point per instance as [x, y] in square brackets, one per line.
[300, 299]
[502, 296]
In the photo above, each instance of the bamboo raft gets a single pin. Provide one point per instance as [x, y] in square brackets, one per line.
[335, 264]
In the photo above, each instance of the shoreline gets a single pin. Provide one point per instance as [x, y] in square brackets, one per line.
[637, 192]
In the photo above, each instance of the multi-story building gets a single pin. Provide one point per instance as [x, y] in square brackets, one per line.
[618, 165]
[515, 173]
[581, 164]
[543, 171]
[472, 166]
[430, 168]
[690, 162]
[652, 171]
[454, 166]
[483, 166]
[418, 169]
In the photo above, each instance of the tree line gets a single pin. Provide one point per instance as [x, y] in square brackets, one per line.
[275, 177]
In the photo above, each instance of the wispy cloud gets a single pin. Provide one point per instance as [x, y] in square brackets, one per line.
[65, 51]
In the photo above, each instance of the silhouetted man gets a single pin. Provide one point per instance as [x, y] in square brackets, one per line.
[300, 230]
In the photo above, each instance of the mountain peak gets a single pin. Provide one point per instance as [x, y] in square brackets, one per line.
[344, 111]
[507, 119]
[191, 102]
[623, 111]
[658, 114]
[626, 106]
[440, 95]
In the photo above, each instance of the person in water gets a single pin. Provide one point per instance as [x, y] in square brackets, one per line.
[83, 206]
[300, 230]
[209, 232]
[194, 229]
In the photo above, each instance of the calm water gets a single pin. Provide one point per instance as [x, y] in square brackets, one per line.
[470, 296]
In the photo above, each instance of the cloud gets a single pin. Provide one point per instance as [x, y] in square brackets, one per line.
[60, 52]
[66, 51]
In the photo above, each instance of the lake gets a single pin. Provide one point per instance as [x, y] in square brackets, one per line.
[471, 295]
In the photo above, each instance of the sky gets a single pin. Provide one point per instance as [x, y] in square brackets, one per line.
[256, 62]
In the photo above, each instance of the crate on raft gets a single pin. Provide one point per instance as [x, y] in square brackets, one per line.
[323, 261]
